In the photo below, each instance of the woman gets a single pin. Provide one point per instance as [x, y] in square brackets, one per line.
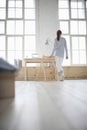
[59, 46]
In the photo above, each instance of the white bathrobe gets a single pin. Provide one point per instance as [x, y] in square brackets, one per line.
[58, 52]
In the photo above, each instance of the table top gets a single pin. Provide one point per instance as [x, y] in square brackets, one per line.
[39, 60]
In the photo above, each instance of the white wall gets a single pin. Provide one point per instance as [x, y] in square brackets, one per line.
[47, 24]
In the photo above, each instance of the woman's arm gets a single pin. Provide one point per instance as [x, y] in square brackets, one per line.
[66, 49]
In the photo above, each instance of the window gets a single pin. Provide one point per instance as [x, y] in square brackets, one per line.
[15, 9]
[77, 13]
[77, 9]
[2, 43]
[29, 13]
[2, 27]
[2, 13]
[2, 9]
[17, 29]
[72, 21]
[2, 46]
[74, 27]
[29, 3]
[14, 47]
[3, 3]
[64, 4]
[11, 27]
[30, 45]
[63, 14]
[64, 25]
[29, 27]
[79, 48]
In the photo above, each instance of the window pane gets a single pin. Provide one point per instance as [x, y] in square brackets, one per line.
[82, 43]
[11, 3]
[2, 13]
[29, 27]
[15, 4]
[75, 43]
[18, 55]
[78, 13]
[81, 4]
[19, 27]
[18, 13]
[29, 3]
[15, 27]
[30, 43]
[10, 27]
[19, 4]
[14, 13]
[74, 4]
[86, 3]
[82, 27]
[63, 4]
[2, 27]
[74, 13]
[2, 43]
[81, 13]
[64, 26]
[18, 43]
[11, 56]
[2, 3]
[2, 54]
[67, 40]
[63, 13]
[74, 27]
[11, 43]
[29, 13]
[15, 43]
[82, 57]
[11, 13]
[75, 57]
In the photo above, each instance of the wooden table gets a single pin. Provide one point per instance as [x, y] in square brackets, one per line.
[43, 63]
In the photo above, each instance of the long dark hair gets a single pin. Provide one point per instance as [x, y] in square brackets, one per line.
[59, 32]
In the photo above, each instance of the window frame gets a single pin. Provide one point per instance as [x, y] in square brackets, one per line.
[17, 19]
[71, 35]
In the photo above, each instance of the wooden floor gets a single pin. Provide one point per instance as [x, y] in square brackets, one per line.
[46, 106]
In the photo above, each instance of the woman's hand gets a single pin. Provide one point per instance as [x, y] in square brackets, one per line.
[66, 57]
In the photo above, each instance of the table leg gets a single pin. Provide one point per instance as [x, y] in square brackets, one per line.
[43, 67]
[56, 75]
[25, 71]
[38, 72]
